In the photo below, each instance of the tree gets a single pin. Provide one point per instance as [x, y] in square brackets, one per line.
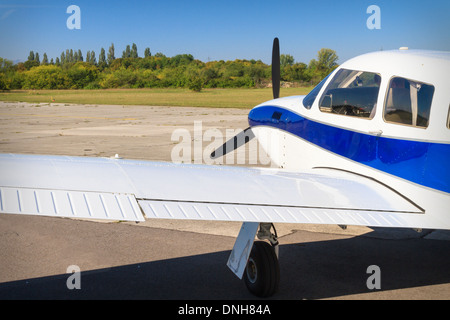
[147, 52]
[111, 56]
[157, 70]
[45, 58]
[101, 57]
[31, 56]
[127, 52]
[286, 60]
[92, 59]
[134, 53]
[325, 63]
[30, 64]
[5, 64]
[80, 55]
[327, 58]
[296, 72]
[193, 79]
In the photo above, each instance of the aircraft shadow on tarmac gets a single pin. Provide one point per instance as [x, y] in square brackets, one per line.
[310, 270]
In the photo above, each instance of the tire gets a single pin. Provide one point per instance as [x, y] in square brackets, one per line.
[262, 273]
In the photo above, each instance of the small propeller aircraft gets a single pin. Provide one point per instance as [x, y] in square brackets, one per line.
[369, 145]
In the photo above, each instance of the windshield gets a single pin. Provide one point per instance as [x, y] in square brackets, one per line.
[309, 99]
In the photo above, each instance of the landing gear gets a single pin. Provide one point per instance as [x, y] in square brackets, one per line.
[262, 273]
[256, 262]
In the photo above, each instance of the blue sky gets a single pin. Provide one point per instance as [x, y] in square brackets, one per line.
[222, 30]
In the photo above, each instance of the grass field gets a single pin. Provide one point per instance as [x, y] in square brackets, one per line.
[217, 98]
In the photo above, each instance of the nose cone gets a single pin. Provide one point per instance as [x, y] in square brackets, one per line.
[276, 113]
[268, 116]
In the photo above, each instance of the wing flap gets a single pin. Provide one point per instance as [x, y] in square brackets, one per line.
[71, 204]
[276, 214]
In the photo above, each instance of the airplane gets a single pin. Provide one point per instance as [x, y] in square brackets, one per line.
[368, 146]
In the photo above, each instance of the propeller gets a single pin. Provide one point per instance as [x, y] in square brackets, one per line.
[245, 136]
[276, 75]
[237, 141]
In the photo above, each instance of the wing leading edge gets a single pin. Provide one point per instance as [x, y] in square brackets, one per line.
[117, 189]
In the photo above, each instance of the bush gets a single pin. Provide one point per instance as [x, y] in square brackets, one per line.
[160, 71]
[81, 74]
[45, 77]
[195, 84]
[121, 78]
[17, 80]
[3, 82]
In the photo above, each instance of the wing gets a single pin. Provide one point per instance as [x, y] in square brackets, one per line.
[104, 188]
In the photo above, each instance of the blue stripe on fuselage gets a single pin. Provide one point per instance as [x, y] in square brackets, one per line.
[424, 163]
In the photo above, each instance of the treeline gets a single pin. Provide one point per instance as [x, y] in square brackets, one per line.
[72, 70]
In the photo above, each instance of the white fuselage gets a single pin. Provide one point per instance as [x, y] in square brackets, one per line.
[414, 160]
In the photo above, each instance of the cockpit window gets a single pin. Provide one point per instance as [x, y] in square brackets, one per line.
[309, 99]
[408, 102]
[352, 93]
[448, 117]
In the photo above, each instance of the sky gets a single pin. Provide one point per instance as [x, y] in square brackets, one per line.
[223, 30]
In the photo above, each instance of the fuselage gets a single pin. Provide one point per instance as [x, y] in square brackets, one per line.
[384, 115]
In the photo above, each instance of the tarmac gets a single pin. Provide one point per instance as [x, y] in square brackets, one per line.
[164, 259]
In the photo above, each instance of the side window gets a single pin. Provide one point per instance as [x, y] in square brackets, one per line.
[352, 93]
[408, 102]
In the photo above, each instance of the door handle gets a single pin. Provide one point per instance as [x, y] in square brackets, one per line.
[376, 132]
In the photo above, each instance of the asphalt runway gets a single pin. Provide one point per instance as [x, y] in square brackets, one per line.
[186, 260]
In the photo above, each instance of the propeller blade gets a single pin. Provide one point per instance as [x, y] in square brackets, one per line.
[245, 136]
[237, 141]
[276, 76]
